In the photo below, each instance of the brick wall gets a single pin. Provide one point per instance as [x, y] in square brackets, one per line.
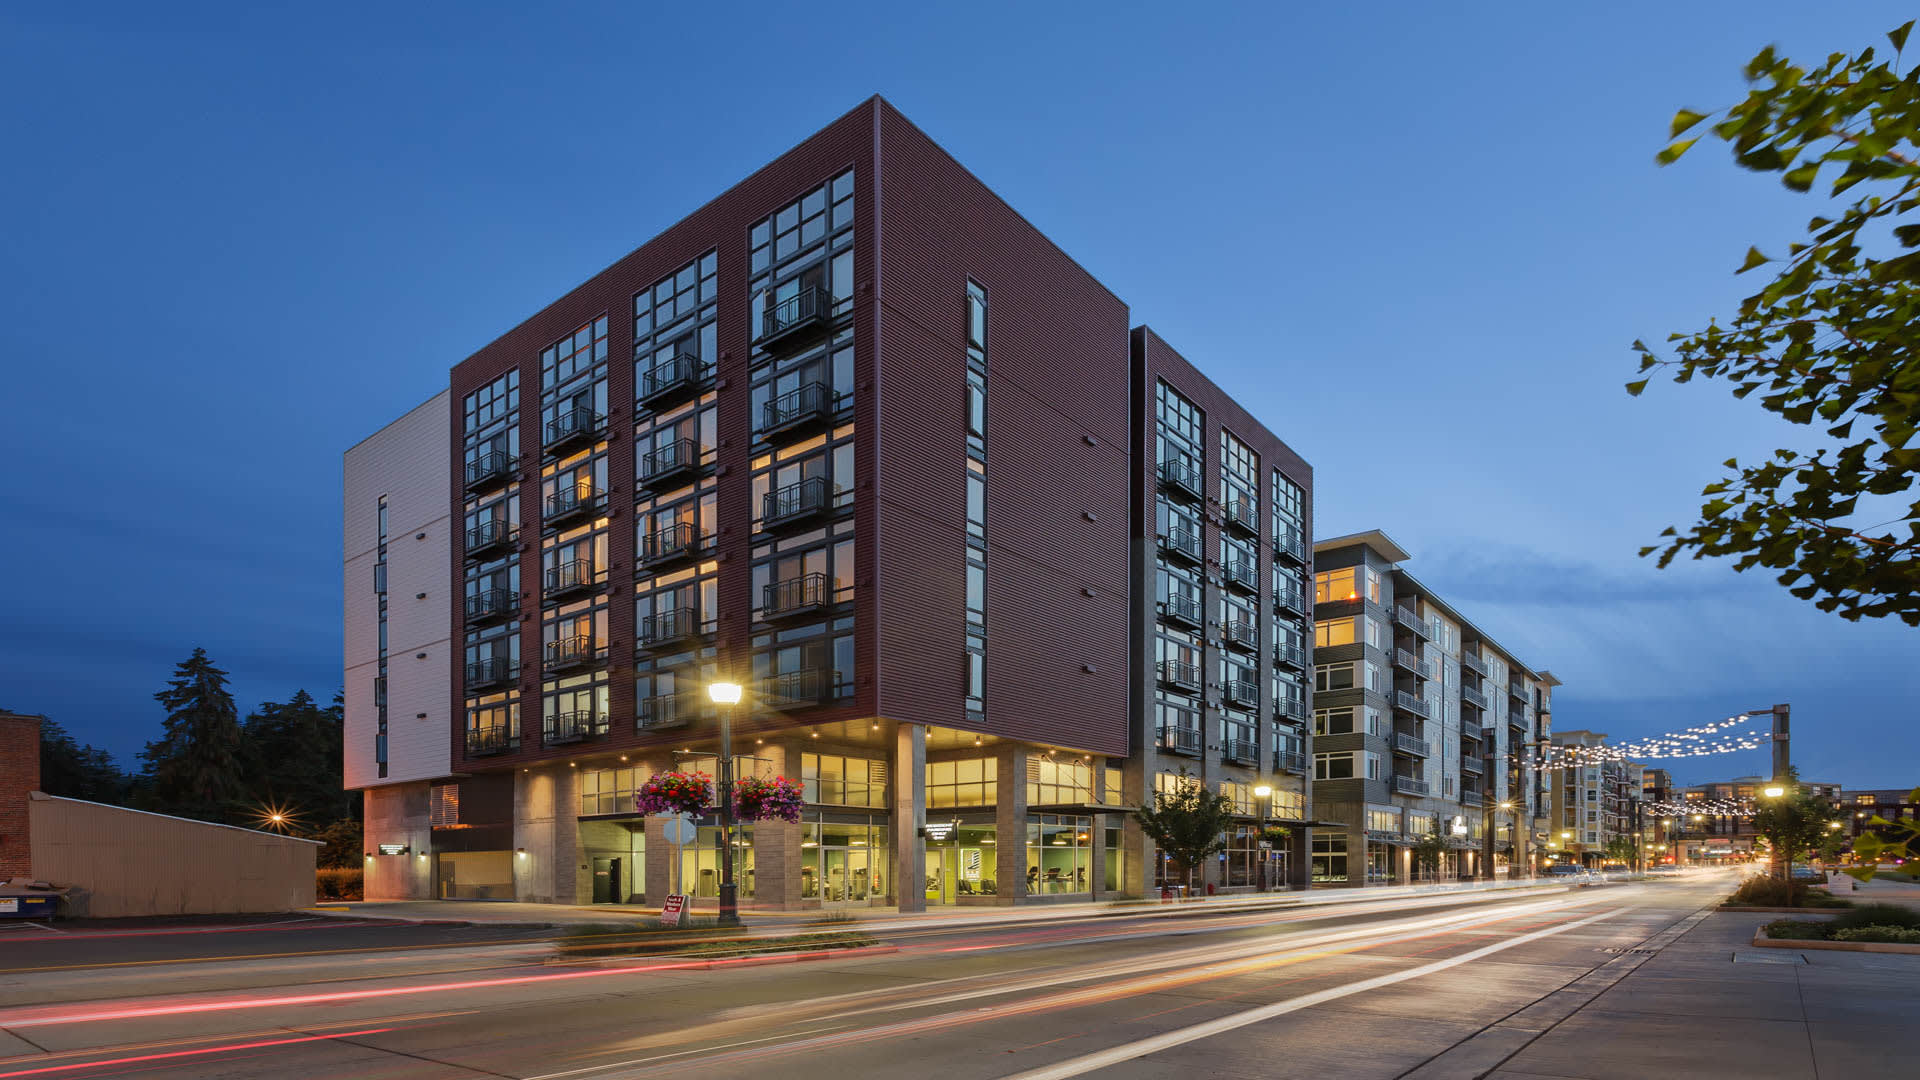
[19, 774]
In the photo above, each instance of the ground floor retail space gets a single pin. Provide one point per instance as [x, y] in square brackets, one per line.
[1343, 858]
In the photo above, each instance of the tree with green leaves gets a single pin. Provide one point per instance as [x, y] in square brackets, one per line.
[1428, 851]
[195, 769]
[1188, 822]
[1621, 849]
[1792, 823]
[75, 770]
[1829, 341]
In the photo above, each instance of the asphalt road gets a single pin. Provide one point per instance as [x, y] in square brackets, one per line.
[1374, 989]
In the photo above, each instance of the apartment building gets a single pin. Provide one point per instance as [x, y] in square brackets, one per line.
[858, 437]
[1595, 802]
[1422, 724]
[1718, 828]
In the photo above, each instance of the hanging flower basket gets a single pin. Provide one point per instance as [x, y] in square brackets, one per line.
[766, 798]
[675, 793]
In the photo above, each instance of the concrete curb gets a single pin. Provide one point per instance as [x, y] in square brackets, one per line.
[1784, 910]
[683, 962]
[1761, 939]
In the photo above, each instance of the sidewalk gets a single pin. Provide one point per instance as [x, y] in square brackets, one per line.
[1712, 1005]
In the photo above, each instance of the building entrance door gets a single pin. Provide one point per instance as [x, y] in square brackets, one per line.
[607, 881]
[942, 867]
[845, 875]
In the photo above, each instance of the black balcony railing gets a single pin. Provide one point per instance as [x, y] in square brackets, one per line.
[1179, 476]
[672, 543]
[795, 319]
[1290, 708]
[1246, 750]
[1519, 692]
[799, 409]
[571, 578]
[491, 538]
[573, 727]
[1183, 544]
[794, 689]
[1241, 635]
[794, 502]
[667, 381]
[492, 739]
[491, 605]
[1409, 744]
[1241, 574]
[1183, 675]
[487, 470]
[1293, 656]
[668, 627]
[1407, 785]
[1182, 740]
[570, 653]
[796, 596]
[1412, 703]
[1410, 619]
[1472, 663]
[670, 710]
[1471, 798]
[575, 427]
[1288, 596]
[1244, 515]
[492, 672]
[1471, 765]
[670, 465]
[1292, 761]
[1184, 610]
[1410, 661]
[574, 503]
[1241, 691]
[1289, 545]
[1473, 697]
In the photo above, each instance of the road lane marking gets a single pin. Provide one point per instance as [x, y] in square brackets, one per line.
[142, 1059]
[1125, 1052]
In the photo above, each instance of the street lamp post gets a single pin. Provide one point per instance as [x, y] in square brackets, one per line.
[1776, 861]
[1264, 793]
[1513, 842]
[726, 695]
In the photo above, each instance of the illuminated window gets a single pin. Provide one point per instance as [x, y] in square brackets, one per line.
[1335, 585]
[1333, 632]
[967, 782]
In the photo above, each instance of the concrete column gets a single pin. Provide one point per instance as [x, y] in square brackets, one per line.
[398, 814]
[776, 844]
[1010, 822]
[1097, 862]
[546, 804]
[571, 872]
[1137, 790]
[1300, 867]
[909, 815]
[659, 856]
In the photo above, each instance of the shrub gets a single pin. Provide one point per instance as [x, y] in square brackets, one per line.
[1895, 915]
[335, 883]
[1767, 892]
[1796, 930]
[1890, 935]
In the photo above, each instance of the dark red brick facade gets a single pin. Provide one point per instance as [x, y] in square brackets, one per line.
[19, 775]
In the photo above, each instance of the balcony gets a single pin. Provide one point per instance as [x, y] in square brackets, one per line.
[1474, 698]
[1181, 675]
[1472, 765]
[1520, 693]
[1411, 620]
[795, 320]
[488, 741]
[1241, 574]
[796, 596]
[1242, 515]
[670, 627]
[1406, 660]
[1244, 636]
[670, 710]
[1180, 740]
[1183, 610]
[795, 502]
[491, 674]
[1290, 598]
[1290, 761]
[491, 605]
[1291, 708]
[574, 503]
[572, 578]
[488, 470]
[1412, 703]
[573, 727]
[574, 428]
[1293, 656]
[671, 465]
[1407, 785]
[1473, 663]
[794, 689]
[672, 544]
[1289, 546]
[1242, 692]
[1180, 477]
[1404, 743]
[572, 653]
[795, 412]
[1182, 544]
[1472, 798]
[490, 538]
[1246, 751]
[668, 381]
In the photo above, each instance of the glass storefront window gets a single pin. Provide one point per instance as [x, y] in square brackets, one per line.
[1242, 855]
[843, 863]
[700, 863]
[843, 781]
[967, 782]
[1116, 870]
[1330, 858]
[1050, 781]
[1059, 854]
[964, 864]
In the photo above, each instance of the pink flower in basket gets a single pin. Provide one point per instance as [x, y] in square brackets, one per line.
[675, 793]
[758, 798]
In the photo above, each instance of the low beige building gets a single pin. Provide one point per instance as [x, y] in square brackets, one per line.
[124, 862]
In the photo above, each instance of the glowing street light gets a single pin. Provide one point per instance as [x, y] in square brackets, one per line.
[1773, 791]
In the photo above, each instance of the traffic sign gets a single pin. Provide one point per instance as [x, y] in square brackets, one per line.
[679, 829]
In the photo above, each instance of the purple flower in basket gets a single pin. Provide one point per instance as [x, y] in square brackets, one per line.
[675, 793]
[758, 798]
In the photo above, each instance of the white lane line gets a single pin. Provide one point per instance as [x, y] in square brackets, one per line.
[1108, 1058]
[679, 1054]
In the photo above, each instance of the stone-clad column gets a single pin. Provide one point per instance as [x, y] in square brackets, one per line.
[1010, 822]
[909, 815]
[776, 844]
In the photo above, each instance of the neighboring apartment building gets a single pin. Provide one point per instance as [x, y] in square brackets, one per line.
[1859, 808]
[1422, 723]
[857, 436]
[1594, 802]
[1710, 834]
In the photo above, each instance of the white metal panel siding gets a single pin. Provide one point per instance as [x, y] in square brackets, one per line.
[407, 461]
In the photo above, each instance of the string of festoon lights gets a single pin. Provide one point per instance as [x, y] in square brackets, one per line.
[1724, 737]
[1703, 807]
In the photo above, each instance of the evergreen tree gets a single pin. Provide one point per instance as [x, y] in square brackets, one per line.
[195, 769]
[78, 771]
[293, 750]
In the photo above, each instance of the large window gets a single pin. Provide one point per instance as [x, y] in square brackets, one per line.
[1059, 854]
[966, 782]
[610, 791]
[1329, 857]
[843, 781]
[1052, 782]
[1347, 719]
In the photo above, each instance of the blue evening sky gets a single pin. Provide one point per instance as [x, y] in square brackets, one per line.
[1415, 239]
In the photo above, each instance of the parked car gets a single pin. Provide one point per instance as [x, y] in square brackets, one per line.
[1804, 873]
[1568, 873]
[1615, 871]
[1663, 870]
